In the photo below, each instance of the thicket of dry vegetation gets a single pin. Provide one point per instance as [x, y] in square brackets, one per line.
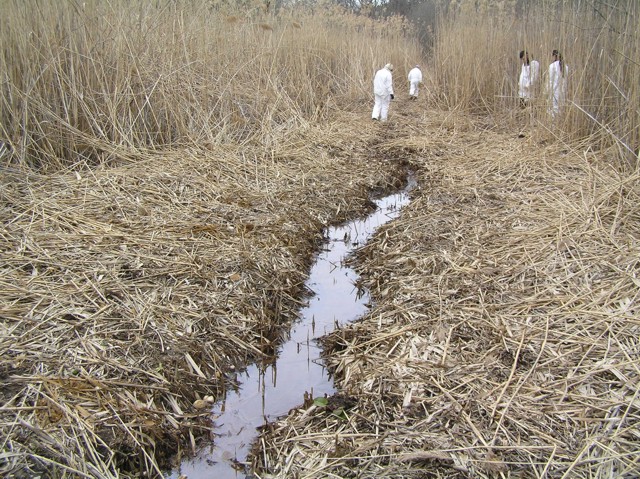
[476, 64]
[166, 171]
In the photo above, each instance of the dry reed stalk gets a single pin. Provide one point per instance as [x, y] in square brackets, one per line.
[476, 65]
[208, 79]
[504, 334]
[132, 292]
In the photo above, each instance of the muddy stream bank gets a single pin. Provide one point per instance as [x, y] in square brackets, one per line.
[297, 373]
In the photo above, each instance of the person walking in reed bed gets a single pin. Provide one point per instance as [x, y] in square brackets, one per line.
[557, 83]
[383, 92]
[529, 74]
[415, 78]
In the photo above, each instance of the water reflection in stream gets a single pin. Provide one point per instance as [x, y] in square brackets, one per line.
[267, 392]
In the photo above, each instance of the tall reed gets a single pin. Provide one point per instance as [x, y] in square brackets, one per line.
[84, 79]
[476, 63]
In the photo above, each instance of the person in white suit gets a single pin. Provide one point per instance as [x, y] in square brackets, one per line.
[383, 92]
[557, 83]
[529, 74]
[415, 78]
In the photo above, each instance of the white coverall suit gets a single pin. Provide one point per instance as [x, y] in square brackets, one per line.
[415, 78]
[528, 78]
[557, 86]
[382, 90]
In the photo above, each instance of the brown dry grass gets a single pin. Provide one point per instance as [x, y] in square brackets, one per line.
[82, 80]
[128, 293]
[504, 337]
[153, 240]
[475, 63]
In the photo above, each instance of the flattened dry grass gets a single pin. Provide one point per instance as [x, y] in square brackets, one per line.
[504, 337]
[128, 292]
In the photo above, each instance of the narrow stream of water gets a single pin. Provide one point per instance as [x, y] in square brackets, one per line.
[267, 392]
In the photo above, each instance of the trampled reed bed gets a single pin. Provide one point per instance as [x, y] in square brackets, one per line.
[503, 337]
[153, 237]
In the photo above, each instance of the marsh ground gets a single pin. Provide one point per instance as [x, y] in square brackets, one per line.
[503, 337]
[503, 340]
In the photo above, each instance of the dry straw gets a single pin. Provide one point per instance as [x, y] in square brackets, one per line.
[476, 63]
[167, 177]
[504, 336]
[131, 294]
[153, 237]
[129, 75]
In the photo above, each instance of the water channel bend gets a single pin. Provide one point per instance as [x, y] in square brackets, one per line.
[267, 392]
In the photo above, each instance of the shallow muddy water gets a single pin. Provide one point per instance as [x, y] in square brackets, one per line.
[269, 391]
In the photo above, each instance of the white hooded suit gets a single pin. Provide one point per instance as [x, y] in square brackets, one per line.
[382, 91]
[557, 86]
[415, 78]
[528, 78]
